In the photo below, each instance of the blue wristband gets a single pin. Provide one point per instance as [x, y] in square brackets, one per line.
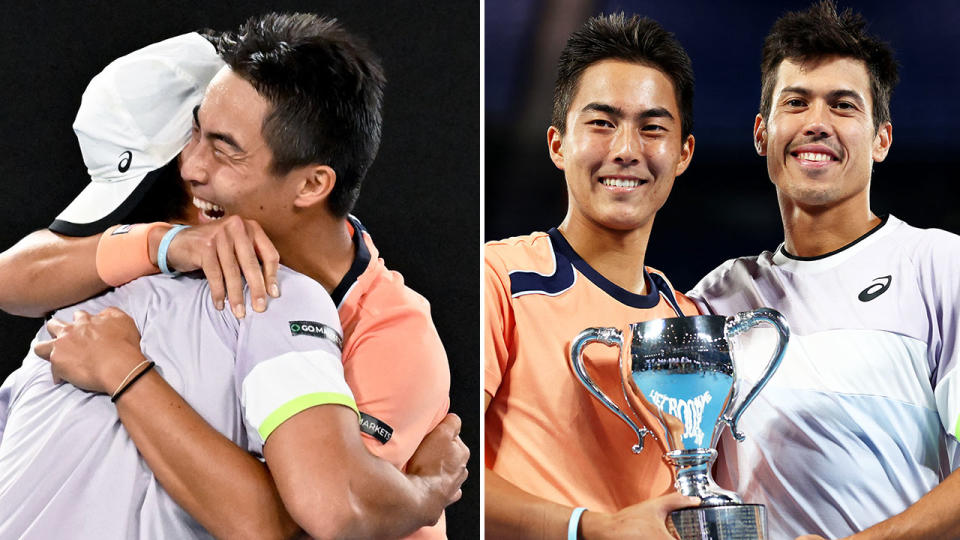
[164, 245]
[574, 523]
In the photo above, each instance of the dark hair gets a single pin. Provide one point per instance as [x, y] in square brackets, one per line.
[821, 31]
[166, 199]
[615, 37]
[326, 89]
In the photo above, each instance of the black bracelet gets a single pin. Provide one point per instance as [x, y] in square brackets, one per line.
[133, 380]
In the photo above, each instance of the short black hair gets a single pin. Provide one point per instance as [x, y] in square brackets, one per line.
[822, 31]
[326, 90]
[166, 199]
[616, 37]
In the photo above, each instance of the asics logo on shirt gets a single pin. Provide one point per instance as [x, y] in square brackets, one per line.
[875, 290]
[124, 165]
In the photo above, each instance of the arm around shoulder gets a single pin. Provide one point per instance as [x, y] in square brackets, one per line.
[334, 488]
[296, 400]
[45, 271]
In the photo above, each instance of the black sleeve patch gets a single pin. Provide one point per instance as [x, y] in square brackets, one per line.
[315, 329]
[375, 428]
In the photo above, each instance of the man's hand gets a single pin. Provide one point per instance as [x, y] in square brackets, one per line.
[93, 353]
[229, 250]
[441, 463]
[646, 520]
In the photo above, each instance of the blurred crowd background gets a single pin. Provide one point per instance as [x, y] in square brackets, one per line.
[724, 206]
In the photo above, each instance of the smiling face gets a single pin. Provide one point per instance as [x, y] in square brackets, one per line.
[819, 137]
[622, 148]
[226, 164]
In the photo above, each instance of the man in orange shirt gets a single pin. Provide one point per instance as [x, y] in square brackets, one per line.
[621, 133]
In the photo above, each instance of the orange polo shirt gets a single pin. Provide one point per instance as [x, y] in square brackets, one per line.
[544, 432]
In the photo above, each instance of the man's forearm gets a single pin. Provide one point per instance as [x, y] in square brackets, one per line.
[45, 271]
[933, 516]
[511, 512]
[223, 487]
[334, 488]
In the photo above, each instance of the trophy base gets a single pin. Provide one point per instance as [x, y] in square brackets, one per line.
[727, 522]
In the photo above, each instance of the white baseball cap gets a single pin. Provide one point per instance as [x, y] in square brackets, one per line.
[135, 117]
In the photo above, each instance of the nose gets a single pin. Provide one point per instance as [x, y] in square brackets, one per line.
[192, 165]
[626, 146]
[818, 123]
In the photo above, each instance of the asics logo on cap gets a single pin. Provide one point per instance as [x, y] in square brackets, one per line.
[876, 289]
[124, 165]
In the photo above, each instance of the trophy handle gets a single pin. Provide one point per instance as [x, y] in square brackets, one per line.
[740, 323]
[611, 337]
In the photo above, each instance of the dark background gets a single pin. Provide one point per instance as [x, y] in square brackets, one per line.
[723, 206]
[420, 199]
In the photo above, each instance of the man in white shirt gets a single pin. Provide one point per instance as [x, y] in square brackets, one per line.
[856, 432]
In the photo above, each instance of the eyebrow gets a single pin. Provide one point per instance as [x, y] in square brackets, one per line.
[617, 112]
[226, 138]
[835, 94]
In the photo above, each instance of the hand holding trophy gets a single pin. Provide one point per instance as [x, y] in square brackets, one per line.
[681, 372]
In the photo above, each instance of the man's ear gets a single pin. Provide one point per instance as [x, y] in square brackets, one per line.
[315, 182]
[882, 142]
[686, 154]
[760, 135]
[555, 146]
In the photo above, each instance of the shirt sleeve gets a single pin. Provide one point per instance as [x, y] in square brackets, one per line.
[938, 261]
[696, 297]
[398, 370]
[288, 358]
[688, 305]
[497, 323]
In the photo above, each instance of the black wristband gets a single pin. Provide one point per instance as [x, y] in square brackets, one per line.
[133, 380]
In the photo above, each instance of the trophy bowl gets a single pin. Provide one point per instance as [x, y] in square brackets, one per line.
[681, 372]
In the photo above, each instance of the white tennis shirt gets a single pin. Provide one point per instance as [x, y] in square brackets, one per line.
[68, 467]
[860, 420]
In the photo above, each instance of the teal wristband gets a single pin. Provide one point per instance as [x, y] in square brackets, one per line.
[164, 246]
[574, 523]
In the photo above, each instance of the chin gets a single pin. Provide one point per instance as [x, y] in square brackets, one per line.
[624, 223]
[812, 196]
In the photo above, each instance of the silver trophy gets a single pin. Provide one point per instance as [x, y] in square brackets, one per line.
[680, 371]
